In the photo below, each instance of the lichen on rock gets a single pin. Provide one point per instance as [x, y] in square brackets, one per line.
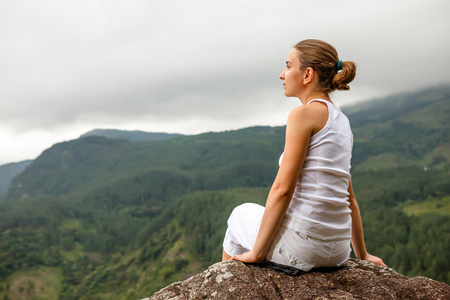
[357, 280]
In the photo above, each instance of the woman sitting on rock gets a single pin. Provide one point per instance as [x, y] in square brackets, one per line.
[311, 213]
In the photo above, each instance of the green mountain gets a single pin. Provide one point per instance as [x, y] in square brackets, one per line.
[402, 130]
[97, 218]
[9, 171]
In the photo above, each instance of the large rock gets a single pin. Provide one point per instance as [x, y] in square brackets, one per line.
[357, 280]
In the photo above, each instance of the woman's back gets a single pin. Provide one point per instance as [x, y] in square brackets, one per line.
[319, 206]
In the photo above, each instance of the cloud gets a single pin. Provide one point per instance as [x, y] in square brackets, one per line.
[199, 65]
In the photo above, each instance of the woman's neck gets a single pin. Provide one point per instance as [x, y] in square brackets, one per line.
[314, 95]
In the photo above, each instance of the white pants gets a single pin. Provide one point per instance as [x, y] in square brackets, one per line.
[288, 247]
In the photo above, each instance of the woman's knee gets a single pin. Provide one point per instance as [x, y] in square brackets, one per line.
[244, 209]
[249, 207]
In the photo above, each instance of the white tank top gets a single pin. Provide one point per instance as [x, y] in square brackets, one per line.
[319, 206]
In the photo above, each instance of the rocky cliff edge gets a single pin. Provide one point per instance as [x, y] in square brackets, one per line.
[357, 280]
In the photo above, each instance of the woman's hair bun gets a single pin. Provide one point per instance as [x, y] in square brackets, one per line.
[345, 76]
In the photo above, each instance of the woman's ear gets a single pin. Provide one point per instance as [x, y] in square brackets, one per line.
[308, 75]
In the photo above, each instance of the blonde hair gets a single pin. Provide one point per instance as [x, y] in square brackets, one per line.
[323, 59]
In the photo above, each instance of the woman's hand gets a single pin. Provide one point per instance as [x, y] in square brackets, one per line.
[374, 259]
[248, 257]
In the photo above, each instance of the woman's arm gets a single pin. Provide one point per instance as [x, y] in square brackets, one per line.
[300, 126]
[357, 231]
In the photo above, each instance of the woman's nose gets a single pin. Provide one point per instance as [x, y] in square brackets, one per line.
[281, 76]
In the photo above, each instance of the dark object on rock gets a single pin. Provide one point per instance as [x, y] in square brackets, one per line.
[357, 280]
[281, 268]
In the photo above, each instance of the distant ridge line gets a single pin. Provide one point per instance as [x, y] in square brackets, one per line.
[133, 136]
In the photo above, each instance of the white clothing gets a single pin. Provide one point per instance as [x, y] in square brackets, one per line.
[319, 206]
[288, 247]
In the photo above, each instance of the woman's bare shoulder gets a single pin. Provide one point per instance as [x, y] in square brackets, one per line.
[314, 114]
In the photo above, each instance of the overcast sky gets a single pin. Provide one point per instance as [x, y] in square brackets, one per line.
[67, 67]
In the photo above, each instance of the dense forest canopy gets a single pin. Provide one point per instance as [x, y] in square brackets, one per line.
[99, 217]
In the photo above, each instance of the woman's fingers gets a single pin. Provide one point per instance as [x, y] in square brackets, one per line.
[248, 257]
[376, 260]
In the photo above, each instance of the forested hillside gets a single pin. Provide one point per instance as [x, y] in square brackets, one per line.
[99, 218]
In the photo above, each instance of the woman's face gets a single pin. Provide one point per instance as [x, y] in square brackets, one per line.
[292, 76]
